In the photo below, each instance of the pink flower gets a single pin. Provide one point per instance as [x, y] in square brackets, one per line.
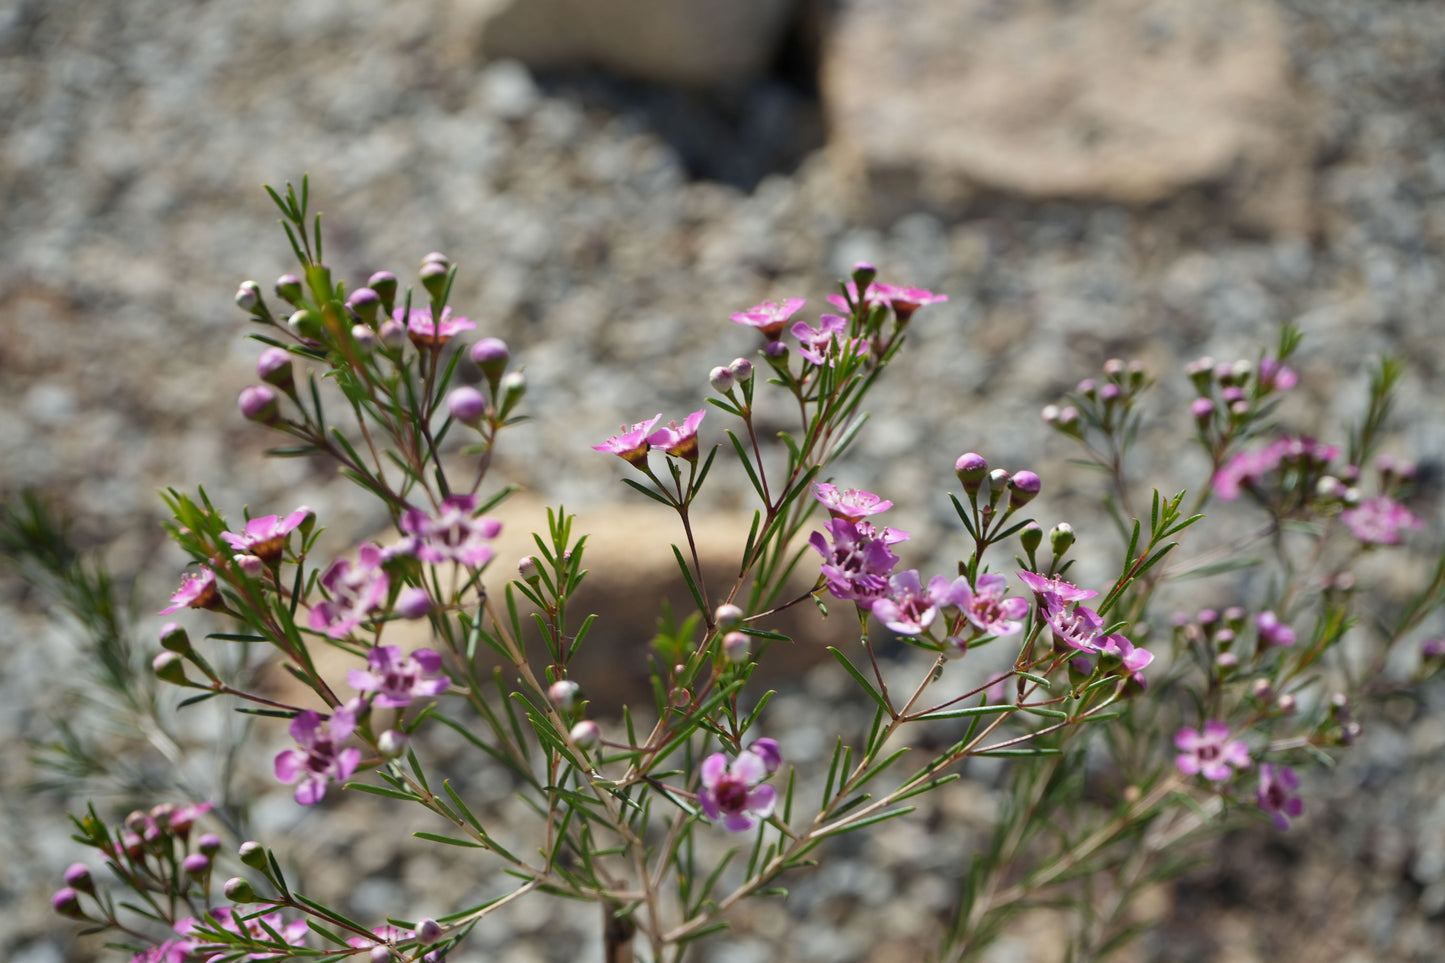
[198, 591]
[825, 344]
[292, 934]
[1379, 520]
[1276, 794]
[1274, 376]
[731, 794]
[851, 503]
[396, 678]
[986, 608]
[1209, 752]
[1082, 629]
[453, 534]
[681, 442]
[354, 591]
[265, 537]
[905, 301]
[171, 951]
[857, 563]
[909, 608]
[1054, 592]
[425, 332]
[872, 294]
[632, 443]
[1248, 468]
[1272, 630]
[184, 817]
[320, 758]
[1132, 660]
[768, 317]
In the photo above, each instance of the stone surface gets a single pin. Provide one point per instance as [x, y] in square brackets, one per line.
[1120, 100]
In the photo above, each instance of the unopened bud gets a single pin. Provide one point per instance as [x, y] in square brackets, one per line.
[259, 403]
[998, 480]
[248, 295]
[511, 389]
[722, 379]
[364, 338]
[384, 284]
[381, 953]
[527, 568]
[392, 335]
[253, 854]
[391, 743]
[971, 469]
[1031, 536]
[168, 667]
[1287, 704]
[742, 370]
[174, 638]
[736, 647]
[288, 288]
[1226, 662]
[769, 752]
[251, 565]
[428, 931]
[564, 693]
[585, 734]
[1202, 409]
[273, 366]
[1061, 538]
[1262, 689]
[364, 302]
[776, 350]
[1088, 388]
[196, 865]
[728, 616]
[78, 878]
[305, 325]
[433, 276]
[437, 257]
[413, 602]
[66, 902]
[238, 890]
[209, 843]
[1115, 367]
[466, 404]
[1023, 486]
[863, 275]
[491, 355]
[1109, 394]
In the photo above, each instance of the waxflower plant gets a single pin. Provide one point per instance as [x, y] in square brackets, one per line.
[674, 813]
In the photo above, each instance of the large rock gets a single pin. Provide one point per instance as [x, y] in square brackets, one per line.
[688, 42]
[1131, 101]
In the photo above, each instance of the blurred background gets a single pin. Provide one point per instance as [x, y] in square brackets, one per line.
[1084, 179]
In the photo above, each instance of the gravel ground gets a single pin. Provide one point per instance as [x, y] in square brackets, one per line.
[133, 134]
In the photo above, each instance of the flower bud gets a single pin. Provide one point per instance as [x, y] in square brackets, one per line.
[364, 338]
[1226, 662]
[1109, 394]
[1232, 394]
[248, 295]
[437, 257]
[467, 405]
[527, 569]
[998, 480]
[258, 403]
[391, 744]
[364, 302]
[413, 603]
[392, 335]
[728, 616]
[722, 379]
[78, 878]
[1262, 689]
[253, 854]
[769, 752]
[1023, 486]
[384, 284]
[742, 370]
[491, 355]
[511, 389]
[196, 865]
[168, 667]
[585, 734]
[1202, 409]
[66, 902]
[1115, 367]
[971, 469]
[776, 350]
[306, 325]
[209, 843]
[273, 366]
[1088, 388]
[564, 693]
[428, 931]
[251, 565]
[174, 638]
[238, 890]
[736, 647]
[381, 953]
[1031, 536]
[1061, 538]
[863, 275]
[433, 276]
[1201, 372]
[288, 288]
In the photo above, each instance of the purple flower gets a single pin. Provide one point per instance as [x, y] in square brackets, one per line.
[453, 534]
[1132, 659]
[171, 951]
[396, 678]
[1379, 520]
[731, 794]
[292, 934]
[824, 345]
[853, 504]
[986, 608]
[1081, 629]
[1055, 592]
[354, 591]
[872, 294]
[265, 537]
[1248, 468]
[1276, 794]
[198, 591]
[1272, 630]
[320, 758]
[631, 444]
[680, 442]
[905, 301]
[424, 331]
[768, 317]
[909, 608]
[1209, 751]
[857, 563]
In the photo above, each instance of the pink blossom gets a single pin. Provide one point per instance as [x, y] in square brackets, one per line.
[1082, 629]
[873, 294]
[905, 301]
[265, 537]
[171, 951]
[825, 344]
[632, 443]
[986, 608]
[1054, 591]
[853, 504]
[1379, 520]
[1248, 468]
[1209, 751]
[396, 678]
[198, 591]
[909, 608]
[857, 563]
[731, 794]
[768, 317]
[1274, 376]
[292, 934]
[426, 332]
[680, 442]
[1276, 794]
[453, 534]
[355, 590]
[1132, 659]
[320, 758]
